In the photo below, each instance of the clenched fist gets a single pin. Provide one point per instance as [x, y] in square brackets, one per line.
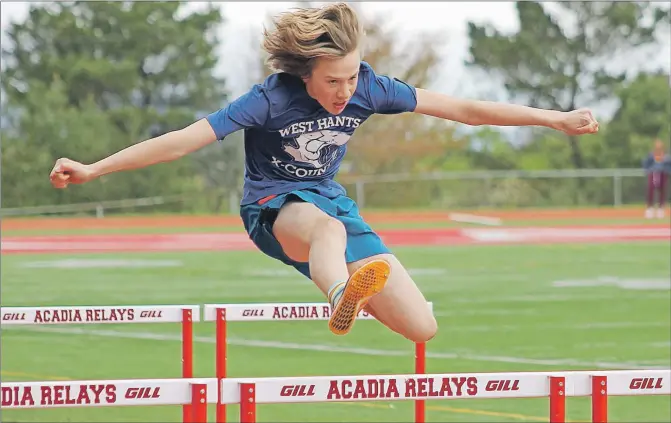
[577, 122]
[68, 171]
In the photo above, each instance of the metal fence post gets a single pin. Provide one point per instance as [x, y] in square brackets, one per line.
[617, 190]
[360, 197]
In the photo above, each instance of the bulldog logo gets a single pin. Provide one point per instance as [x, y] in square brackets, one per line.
[316, 148]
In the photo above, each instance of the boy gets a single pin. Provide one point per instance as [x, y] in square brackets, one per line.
[297, 125]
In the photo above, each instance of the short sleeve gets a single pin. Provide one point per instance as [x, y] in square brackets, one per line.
[247, 111]
[390, 95]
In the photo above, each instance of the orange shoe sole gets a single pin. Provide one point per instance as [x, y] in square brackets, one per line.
[361, 286]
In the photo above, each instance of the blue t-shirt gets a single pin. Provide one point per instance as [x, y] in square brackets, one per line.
[291, 142]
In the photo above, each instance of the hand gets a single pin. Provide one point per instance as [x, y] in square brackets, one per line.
[68, 171]
[577, 122]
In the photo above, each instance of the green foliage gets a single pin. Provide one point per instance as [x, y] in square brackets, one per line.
[86, 79]
[566, 66]
[644, 114]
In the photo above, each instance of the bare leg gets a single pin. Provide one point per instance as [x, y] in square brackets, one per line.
[307, 234]
[401, 306]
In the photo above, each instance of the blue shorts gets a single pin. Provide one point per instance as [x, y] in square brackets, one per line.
[258, 219]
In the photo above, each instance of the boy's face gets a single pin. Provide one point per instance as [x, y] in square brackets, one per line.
[333, 81]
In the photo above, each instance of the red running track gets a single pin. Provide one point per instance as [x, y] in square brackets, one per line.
[421, 237]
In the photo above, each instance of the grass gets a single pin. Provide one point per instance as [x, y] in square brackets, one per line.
[496, 306]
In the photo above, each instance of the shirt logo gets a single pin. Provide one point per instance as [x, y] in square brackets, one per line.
[316, 149]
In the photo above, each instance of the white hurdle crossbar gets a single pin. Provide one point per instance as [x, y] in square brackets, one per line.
[553, 385]
[223, 313]
[77, 315]
[198, 393]
[195, 393]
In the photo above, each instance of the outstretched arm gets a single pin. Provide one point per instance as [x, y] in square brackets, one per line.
[165, 148]
[249, 110]
[475, 113]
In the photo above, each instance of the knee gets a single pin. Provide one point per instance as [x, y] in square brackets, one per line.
[424, 331]
[328, 228]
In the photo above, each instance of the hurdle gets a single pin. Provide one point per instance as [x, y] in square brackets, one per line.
[248, 392]
[75, 315]
[223, 313]
[553, 385]
[193, 393]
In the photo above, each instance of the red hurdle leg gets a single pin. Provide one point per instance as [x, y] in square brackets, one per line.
[199, 403]
[247, 403]
[557, 399]
[221, 360]
[599, 399]
[187, 355]
[420, 369]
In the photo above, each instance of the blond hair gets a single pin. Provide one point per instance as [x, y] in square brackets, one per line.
[305, 34]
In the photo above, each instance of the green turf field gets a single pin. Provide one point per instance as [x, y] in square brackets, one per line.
[497, 308]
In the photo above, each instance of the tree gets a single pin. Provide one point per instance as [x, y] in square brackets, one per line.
[115, 73]
[643, 115]
[48, 125]
[222, 165]
[562, 66]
